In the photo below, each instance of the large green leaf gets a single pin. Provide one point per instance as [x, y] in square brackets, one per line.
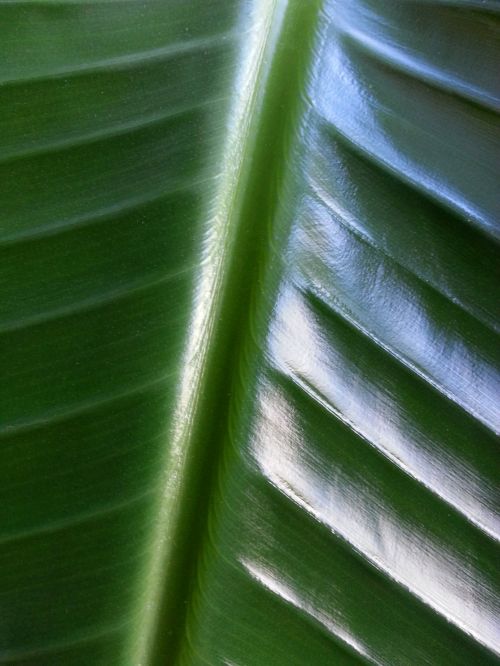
[248, 329]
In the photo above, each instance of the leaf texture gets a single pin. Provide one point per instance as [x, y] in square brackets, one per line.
[355, 514]
[249, 332]
[114, 118]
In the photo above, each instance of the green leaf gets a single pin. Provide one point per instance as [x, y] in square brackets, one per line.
[249, 332]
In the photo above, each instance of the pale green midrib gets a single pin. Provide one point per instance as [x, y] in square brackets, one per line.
[223, 307]
[280, 120]
[210, 299]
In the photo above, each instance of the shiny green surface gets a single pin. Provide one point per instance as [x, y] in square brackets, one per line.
[249, 332]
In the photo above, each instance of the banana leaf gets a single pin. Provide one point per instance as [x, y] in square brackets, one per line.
[249, 322]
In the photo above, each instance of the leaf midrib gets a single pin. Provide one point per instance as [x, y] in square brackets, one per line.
[221, 305]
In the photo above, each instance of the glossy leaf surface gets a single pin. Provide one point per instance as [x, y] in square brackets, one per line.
[249, 332]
